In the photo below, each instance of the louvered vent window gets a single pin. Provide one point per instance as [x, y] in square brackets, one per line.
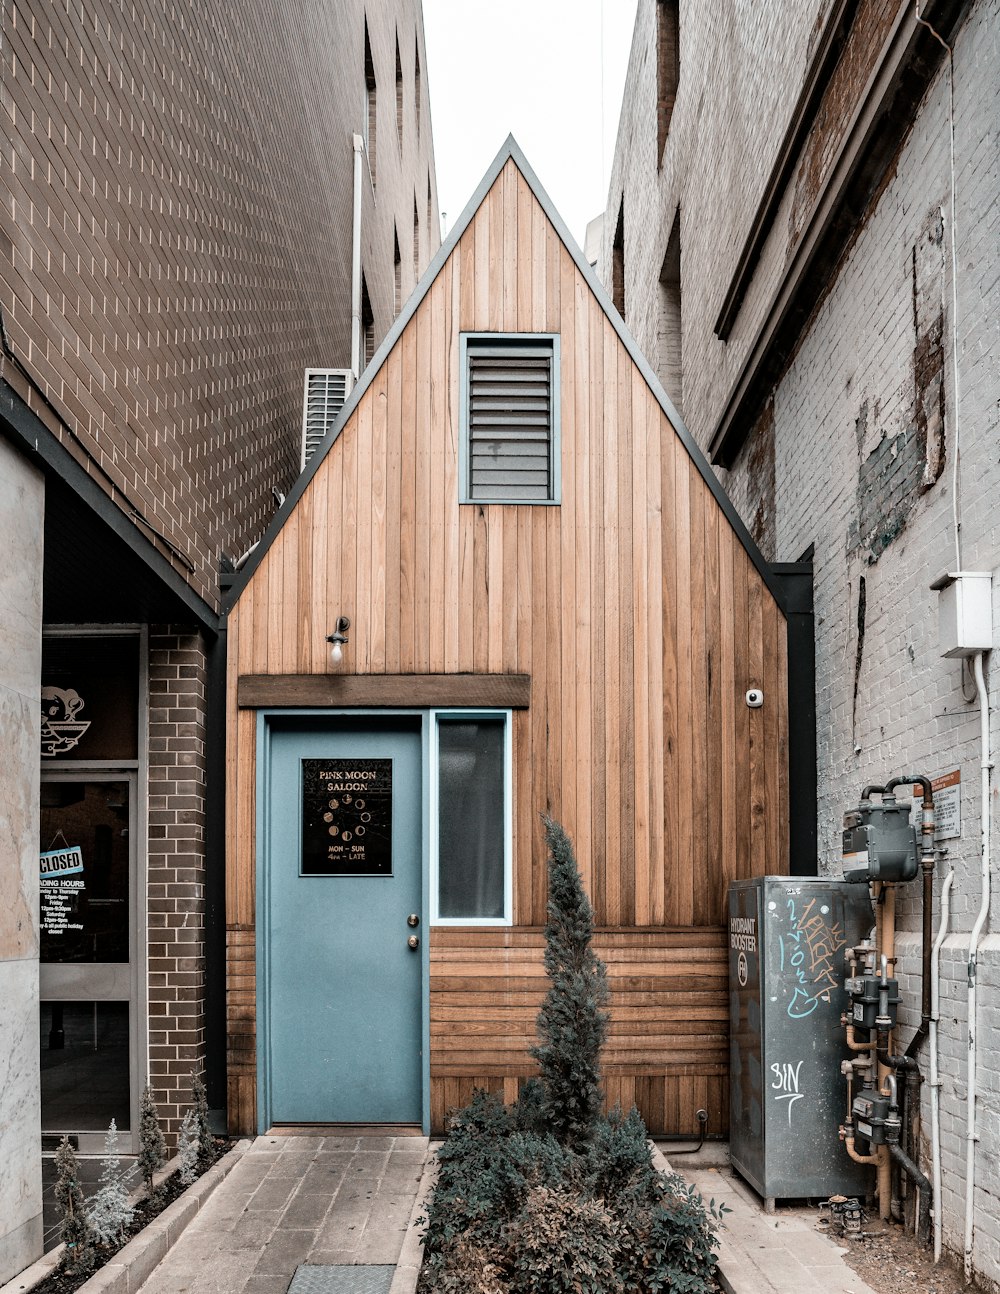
[511, 419]
[326, 392]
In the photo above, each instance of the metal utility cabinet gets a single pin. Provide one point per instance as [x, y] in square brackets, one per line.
[787, 937]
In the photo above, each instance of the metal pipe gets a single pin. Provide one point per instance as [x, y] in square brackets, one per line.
[855, 1155]
[868, 791]
[883, 1177]
[935, 1080]
[976, 932]
[851, 1040]
[882, 1020]
[922, 1184]
[886, 944]
[702, 1117]
[359, 150]
[927, 898]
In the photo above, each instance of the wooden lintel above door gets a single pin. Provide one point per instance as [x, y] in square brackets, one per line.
[469, 691]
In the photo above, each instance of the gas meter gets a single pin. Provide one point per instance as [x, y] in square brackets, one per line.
[879, 842]
[875, 1119]
[864, 991]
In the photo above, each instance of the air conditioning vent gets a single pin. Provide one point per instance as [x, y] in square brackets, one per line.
[326, 392]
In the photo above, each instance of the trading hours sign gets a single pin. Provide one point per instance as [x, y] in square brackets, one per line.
[346, 817]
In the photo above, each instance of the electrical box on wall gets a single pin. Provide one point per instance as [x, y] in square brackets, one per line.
[965, 612]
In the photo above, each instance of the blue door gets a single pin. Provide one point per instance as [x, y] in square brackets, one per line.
[342, 874]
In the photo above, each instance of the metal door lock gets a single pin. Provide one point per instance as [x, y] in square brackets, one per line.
[413, 942]
[413, 919]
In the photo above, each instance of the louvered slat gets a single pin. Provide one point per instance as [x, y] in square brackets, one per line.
[510, 420]
[326, 391]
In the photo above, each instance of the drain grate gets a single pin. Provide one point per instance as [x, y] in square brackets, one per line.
[322, 1278]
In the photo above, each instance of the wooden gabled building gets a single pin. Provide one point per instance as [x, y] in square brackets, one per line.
[553, 609]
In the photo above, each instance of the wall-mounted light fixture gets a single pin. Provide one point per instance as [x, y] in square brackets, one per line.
[338, 639]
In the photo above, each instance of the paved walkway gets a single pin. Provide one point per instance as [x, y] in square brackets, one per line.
[778, 1253]
[330, 1201]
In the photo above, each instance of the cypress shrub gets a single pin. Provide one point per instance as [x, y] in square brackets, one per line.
[572, 1025]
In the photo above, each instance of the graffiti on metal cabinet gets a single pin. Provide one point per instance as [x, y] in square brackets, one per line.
[785, 1083]
[808, 948]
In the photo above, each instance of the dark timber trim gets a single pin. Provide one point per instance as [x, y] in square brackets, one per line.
[818, 76]
[322, 691]
[796, 580]
[882, 119]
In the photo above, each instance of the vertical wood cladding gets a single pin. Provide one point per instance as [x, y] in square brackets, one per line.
[634, 608]
[177, 226]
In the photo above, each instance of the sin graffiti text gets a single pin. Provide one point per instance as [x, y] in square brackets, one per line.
[785, 1084]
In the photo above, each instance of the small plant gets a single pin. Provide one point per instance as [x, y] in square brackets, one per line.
[152, 1147]
[674, 1242]
[109, 1212]
[571, 1024]
[205, 1147]
[187, 1147]
[563, 1244]
[619, 1160]
[74, 1230]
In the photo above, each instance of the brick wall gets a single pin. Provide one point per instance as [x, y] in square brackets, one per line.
[175, 236]
[865, 439]
[855, 447]
[176, 867]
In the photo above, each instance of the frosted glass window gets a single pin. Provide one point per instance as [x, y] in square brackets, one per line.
[471, 819]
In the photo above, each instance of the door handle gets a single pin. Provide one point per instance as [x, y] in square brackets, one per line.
[413, 942]
[413, 919]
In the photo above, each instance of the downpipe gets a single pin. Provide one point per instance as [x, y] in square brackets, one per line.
[974, 937]
[359, 151]
[935, 1080]
[922, 1184]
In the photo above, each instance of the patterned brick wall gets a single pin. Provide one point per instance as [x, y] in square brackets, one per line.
[176, 867]
[175, 235]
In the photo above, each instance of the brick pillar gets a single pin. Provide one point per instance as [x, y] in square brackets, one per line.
[176, 880]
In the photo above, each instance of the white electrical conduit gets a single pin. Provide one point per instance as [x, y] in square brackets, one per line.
[935, 1081]
[977, 929]
[359, 148]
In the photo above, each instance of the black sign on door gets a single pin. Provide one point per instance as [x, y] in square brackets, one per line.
[346, 817]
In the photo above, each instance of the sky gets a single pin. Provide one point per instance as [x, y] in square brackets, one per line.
[488, 79]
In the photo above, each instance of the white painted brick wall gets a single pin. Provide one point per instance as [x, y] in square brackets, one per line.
[741, 73]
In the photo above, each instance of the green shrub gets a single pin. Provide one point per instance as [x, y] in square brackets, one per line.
[562, 1244]
[152, 1147]
[464, 1268]
[619, 1161]
[486, 1169]
[571, 1024]
[548, 1196]
[199, 1102]
[74, 1230]
[669, 1248]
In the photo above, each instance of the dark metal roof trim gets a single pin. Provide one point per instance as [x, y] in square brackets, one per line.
[821, 68]
[884, 115]
[27, 431]
[510, 151]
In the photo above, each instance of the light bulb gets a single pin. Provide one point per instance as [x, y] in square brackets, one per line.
[336, 653]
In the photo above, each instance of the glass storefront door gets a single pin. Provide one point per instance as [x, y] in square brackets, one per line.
[90, 905]
[88, 968]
